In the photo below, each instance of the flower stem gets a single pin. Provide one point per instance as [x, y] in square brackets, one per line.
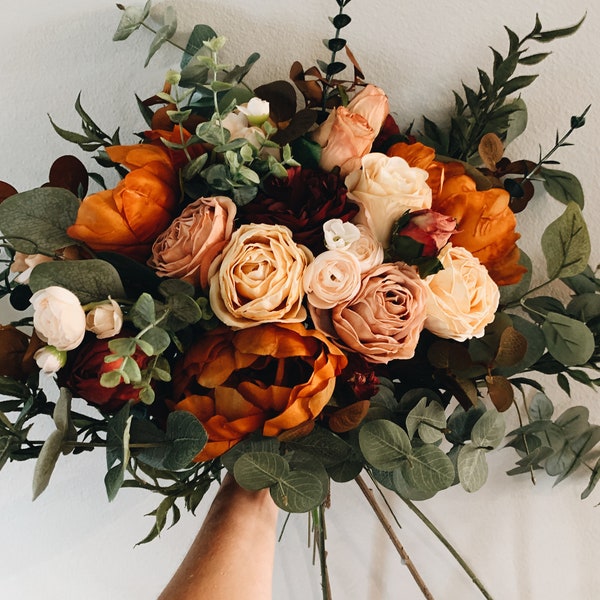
[320, 536]
[459, 559]
[387, 526]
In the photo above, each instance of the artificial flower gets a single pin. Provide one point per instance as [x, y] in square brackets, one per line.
[105, 320]
[270, 378]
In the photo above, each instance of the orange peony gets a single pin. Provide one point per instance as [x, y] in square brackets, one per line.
[486, 224]
[270, 377]
[128, 218]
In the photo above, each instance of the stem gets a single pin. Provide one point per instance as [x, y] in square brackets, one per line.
[320, 536]
[459, 559]
[387, 526]
[216, 99]
[525, 441]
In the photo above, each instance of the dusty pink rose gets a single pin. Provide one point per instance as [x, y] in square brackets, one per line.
[384, 320]
[332, 278]
[429, 229]
[188, 247]
[258, 278]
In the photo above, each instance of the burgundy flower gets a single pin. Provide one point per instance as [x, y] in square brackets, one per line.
[302, 202]
[81, 375]
[358, 379]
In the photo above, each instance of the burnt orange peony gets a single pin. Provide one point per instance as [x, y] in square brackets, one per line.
[486, 224]
[128, 218]
[272, 377]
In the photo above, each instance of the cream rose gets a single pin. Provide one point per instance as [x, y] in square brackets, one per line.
[188, 247]
[105, 320]
[385, 189]
[58, 317]
[333, 277]
[463, 297]
[367, 249]
[258, 278]
[384, 320]
[24, 264]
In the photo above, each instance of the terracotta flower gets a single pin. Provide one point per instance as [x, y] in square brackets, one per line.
[270, 378]
[16, 352]
[128, 218]
[485, 223]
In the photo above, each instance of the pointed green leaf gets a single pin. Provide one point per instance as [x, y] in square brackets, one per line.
[46, 462]
[563, 186]
[472, 467]
[131, 19]
[164, 34]
[569, 341]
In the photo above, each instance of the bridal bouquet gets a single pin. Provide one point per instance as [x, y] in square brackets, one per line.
[284, 284]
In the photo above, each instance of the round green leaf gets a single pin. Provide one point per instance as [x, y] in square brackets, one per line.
[569, 341]
[384, 444]
[472, 467]
[258, 470]
[489, 430]
[298, 491]
[187, 438]
[428, 469]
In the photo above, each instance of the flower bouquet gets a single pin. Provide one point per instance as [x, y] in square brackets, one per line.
[286, 285]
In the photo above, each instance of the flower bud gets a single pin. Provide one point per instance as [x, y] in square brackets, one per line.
[49, 359]
[422, 233]
[105, 320]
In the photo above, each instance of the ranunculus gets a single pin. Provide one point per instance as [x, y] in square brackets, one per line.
[239, 127]
[13, 348]
[24, 263]
[422, 233]
[385, 318]
[302, 202]
[255, 110]
[49, 359]
[348, 132]
[339, 235]
[188, 247]
[463, 297]
[128, 218]
[367, 249]
[385, 189]
[58, 317]
[105, 320]
[270, 378]
[258, 278]
[81, 375]
[485, 223]
[333, 277]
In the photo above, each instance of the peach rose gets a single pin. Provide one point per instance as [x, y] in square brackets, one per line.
[372, 104]
[385, 189]
[128, 218]
[258, 277]
[58, 317]
[270, 378]
[463, 297]
[384, 320]
[367, 249]
[188, 247]
[105, 320]
[333, 277]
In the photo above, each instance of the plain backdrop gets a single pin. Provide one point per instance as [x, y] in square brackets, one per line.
[524, 542]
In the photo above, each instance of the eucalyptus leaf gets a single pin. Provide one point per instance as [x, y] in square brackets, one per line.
[563, 186]
[36, 221]
[566, 244]
[594, 478]
[116, 435]
[251, 444]
[258, 470]
[46, 462]
[489, 430]
[322, 443]
[472, 467]
[514, 292]
[297, 492]
[90, 280]
[143, 312]
[569, 341]
[131, 19]
[428, 469]
[541, 407]
[384, 444]
[164, 34]
[186, 436]
[200, 34]
[158, 339]
[6, 447]
[428, 419]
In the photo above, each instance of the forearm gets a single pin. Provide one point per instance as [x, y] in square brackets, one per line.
[232, 556]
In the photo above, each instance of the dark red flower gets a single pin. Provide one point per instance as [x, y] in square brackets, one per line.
[358, 379]
[302, 202]
[81, 375]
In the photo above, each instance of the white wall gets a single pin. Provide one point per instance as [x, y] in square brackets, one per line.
[525, 542]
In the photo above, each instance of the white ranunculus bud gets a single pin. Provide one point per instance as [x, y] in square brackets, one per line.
[49, 359]
[256, 111]
[105, 320]
[339, 235]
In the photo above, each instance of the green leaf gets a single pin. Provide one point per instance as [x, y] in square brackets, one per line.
[36, 221]
[258, 470]
[533, 460]
[541, 408]
[46, 462]
[514, 292]
[199, 35]
[472, 467]
[143, 312]
[594, 478]
[6, 447]
[569, 341]
[187, 436]
[328, 447]
[384, 444]
[488, 432]
[297, 492]
[13, 388]
[428, 469]
[158, 339]
[117, 432]
[566, 244]
[428, 420]
[563, 186]
[90, 280]
[580, 447]
[131, 19]
[164, 34]
[574, 421]
[261, 444]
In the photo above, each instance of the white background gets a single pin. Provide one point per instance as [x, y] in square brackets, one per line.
[525, 542]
